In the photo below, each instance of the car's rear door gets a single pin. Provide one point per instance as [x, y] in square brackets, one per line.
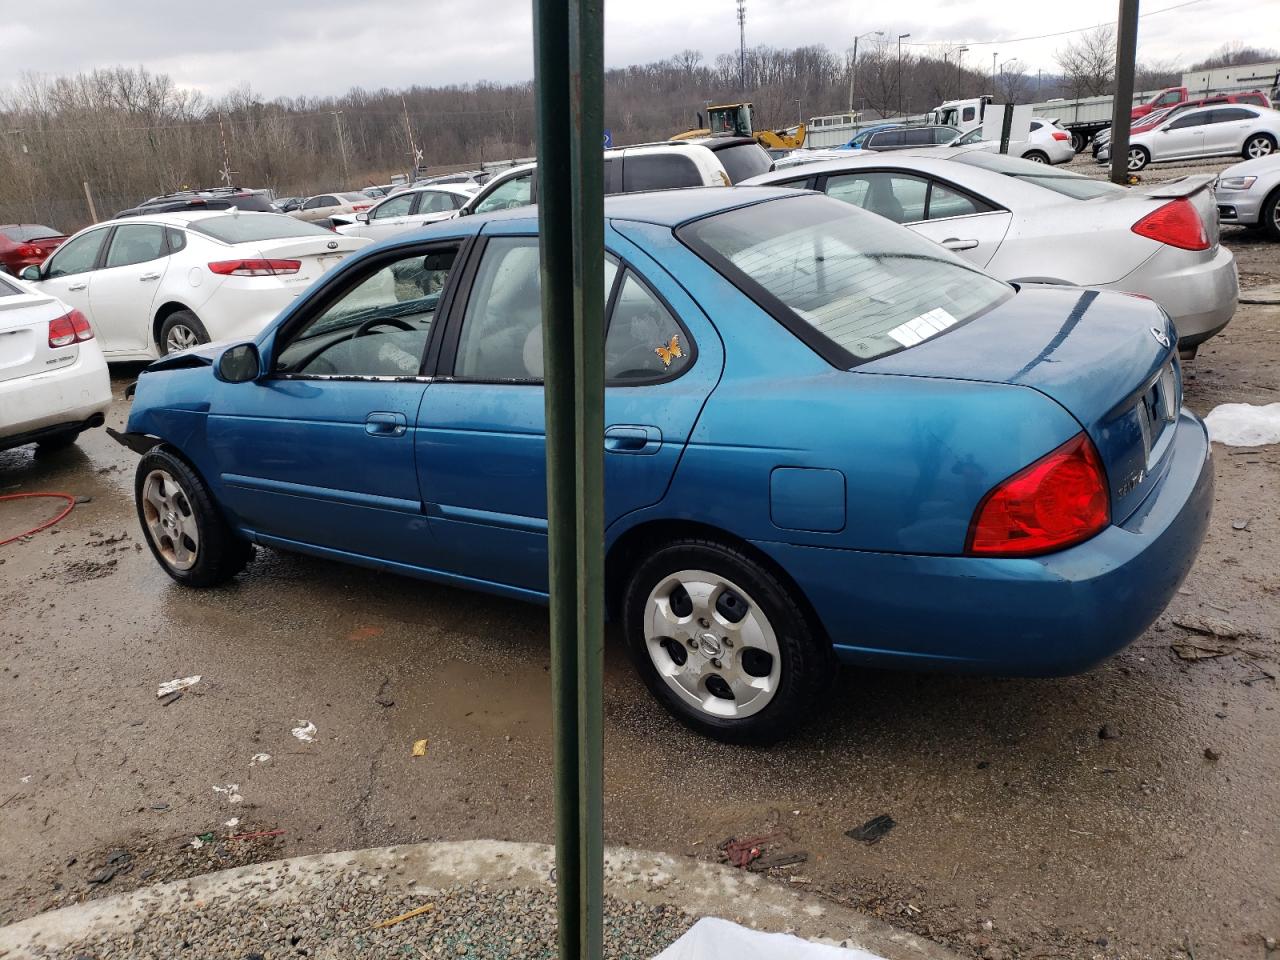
[1227, 129]
[481, 431]
[123, 290]
[388, 218]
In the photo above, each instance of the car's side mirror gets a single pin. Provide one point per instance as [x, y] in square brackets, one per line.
[362, 218]
[30, 273]
[238, 364]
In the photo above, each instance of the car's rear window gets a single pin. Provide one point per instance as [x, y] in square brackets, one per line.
[251, 227]
[8, 289]
[743, 161]
[865, 285]
[354, 197]
[1071, 185]
[21, 232]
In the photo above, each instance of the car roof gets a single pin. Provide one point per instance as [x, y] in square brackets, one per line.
[718, 142]
[182, 218]
[666, 208]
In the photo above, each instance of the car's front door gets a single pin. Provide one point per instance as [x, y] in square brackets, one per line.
[123, 290]
[319, 451]
[482, 442]
[67, 274]
[1183, 136]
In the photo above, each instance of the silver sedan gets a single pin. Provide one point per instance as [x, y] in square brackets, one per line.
[1249, 194]
[1027, 223]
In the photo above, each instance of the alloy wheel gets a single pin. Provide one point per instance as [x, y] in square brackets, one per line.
[181, 337]
[170, 520]
[1137, 159]
[712, 644]
[1259, 147]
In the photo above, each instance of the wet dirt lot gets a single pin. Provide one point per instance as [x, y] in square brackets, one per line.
[1130, 812]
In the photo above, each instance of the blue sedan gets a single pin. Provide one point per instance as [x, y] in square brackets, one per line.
[827, 440]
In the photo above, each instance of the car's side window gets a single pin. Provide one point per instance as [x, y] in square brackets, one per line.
[644, 342]
[77, 255]
[177, 239]
[894, 196]
[501, 336]
[973, 136]
[516, 192]
[136, 243]
[312, 203]
[968, 114]
[432, 201]
[397, 206]
[1190, 120]
[377, 328]
[946, 202]
[1230, 115]
[659, 171]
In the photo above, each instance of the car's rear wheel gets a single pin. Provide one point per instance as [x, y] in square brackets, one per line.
[722, 644]
[1079, 142]
[1270, 217]
[184, 528]
[1138, 158]
[1258, 145]
[181, 330]
[1035, 156]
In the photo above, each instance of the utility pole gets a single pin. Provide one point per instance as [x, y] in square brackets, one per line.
[414, 153]
[742, 45]
[226, 157]
[993, 74]
[901, 37]
[342, 145]
[959, 82]
[1122, 106]
[853, 73]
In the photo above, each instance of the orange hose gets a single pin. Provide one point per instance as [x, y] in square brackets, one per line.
[71, 502]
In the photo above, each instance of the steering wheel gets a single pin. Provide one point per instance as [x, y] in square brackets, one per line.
[368, 325]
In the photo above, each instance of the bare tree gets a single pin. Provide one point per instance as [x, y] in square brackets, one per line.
[1234, 54]
[1089, 63]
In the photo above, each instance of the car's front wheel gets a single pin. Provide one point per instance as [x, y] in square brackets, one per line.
[184, 528]
[1270, 216]
[1138, 158]
[181, 330]
[722, 644]
[1259, 145]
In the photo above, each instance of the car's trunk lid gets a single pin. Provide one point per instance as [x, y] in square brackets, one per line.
[24, 335]
[1109, 359]
[1197, 189]
[317, 254]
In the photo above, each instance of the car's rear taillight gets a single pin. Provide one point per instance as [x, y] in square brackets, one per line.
[255, 268]
[1177, 223]
[1061, 135]
[68, 329]
[357, 207]
[1057, 502]
[30, 250]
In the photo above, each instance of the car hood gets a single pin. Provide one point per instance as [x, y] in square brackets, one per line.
[1260, 167]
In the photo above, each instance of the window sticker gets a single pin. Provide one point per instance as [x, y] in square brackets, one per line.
[923, 327]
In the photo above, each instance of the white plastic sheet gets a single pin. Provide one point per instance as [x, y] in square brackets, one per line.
[1244, 424]
[714, 939]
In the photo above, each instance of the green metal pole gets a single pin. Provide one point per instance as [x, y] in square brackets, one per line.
[569, 78]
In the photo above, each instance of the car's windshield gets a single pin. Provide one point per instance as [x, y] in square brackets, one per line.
[252, 227]
[1071, 185]
[22, 232]
[867, 285]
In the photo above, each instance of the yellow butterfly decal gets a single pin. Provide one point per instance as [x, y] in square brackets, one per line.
[670, 351]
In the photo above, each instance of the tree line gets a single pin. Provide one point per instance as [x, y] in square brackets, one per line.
[131, 133]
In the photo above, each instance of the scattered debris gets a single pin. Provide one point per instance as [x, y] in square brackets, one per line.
[1212, 754]
[306, 731]
[1197, 651]
[160, 807]
[257, 835]
[174, 686]
[1211, 627]
[1240, 524]
[763, 863]
[118, 861]
[26, 779]
[232, 823]
[385, 702]
[80, 500]
[231, 791]
[873, 830]
[741, 853]
[202, 839]
[259, 759]
[420, 748]
[417, 912]
[171, 698]
[1109, 731]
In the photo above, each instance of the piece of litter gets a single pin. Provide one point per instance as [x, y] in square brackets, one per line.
[174, 686]
[256, 836]
[873, 830]
[26, 779]
[200, 841]
[1197, 651]
[306, 732]
[713, 937]
[420, 748]
[1244, 424]
[1211, 626]
[1239, 524]
[258, 759]
[231, 791]
[416, 912]
[233, 822]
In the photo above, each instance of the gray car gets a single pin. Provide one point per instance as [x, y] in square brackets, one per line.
[1249, 194]
[1030, 223]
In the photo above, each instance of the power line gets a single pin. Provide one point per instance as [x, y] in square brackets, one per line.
[1046, 36]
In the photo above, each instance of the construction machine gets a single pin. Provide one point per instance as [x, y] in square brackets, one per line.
[738, 120]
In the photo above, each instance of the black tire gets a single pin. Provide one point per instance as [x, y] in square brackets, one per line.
[1269, 219]
[219, 552]
[1036, 156]
[58, 441]
[1139, 157]
[180, 325]
[1258, 145]
[807, 661]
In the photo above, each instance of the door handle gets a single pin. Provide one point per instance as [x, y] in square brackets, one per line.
[955, 243]
[77, 286]
[381, 424]
[148, 276]
[634, 439]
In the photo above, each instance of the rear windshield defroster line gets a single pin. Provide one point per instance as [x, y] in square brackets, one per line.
[851, 285]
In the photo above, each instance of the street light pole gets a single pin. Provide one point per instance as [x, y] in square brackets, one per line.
[959, 81]
[853, 73]
[901, 37]
[993, 75]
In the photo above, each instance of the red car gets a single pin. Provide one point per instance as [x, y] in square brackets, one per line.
[25, 245]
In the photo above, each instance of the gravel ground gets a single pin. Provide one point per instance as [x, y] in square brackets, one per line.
[338, 920]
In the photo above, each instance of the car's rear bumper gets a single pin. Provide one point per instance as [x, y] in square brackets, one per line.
[36, 406]
[1199, 294]
[1043, 616]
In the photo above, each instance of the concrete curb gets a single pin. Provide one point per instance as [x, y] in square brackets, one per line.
[702, 889]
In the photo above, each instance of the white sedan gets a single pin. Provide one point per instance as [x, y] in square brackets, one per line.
[1027, 223]
[1046, 143]
[53, 378]
[1223, 130]
[154, 284]
[407, 210]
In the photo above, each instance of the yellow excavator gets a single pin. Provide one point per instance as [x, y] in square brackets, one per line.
[738, 119]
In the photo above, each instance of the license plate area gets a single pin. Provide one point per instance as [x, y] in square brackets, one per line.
[1157, 409]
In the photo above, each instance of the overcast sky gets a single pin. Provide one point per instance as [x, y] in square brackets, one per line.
[319, 47]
